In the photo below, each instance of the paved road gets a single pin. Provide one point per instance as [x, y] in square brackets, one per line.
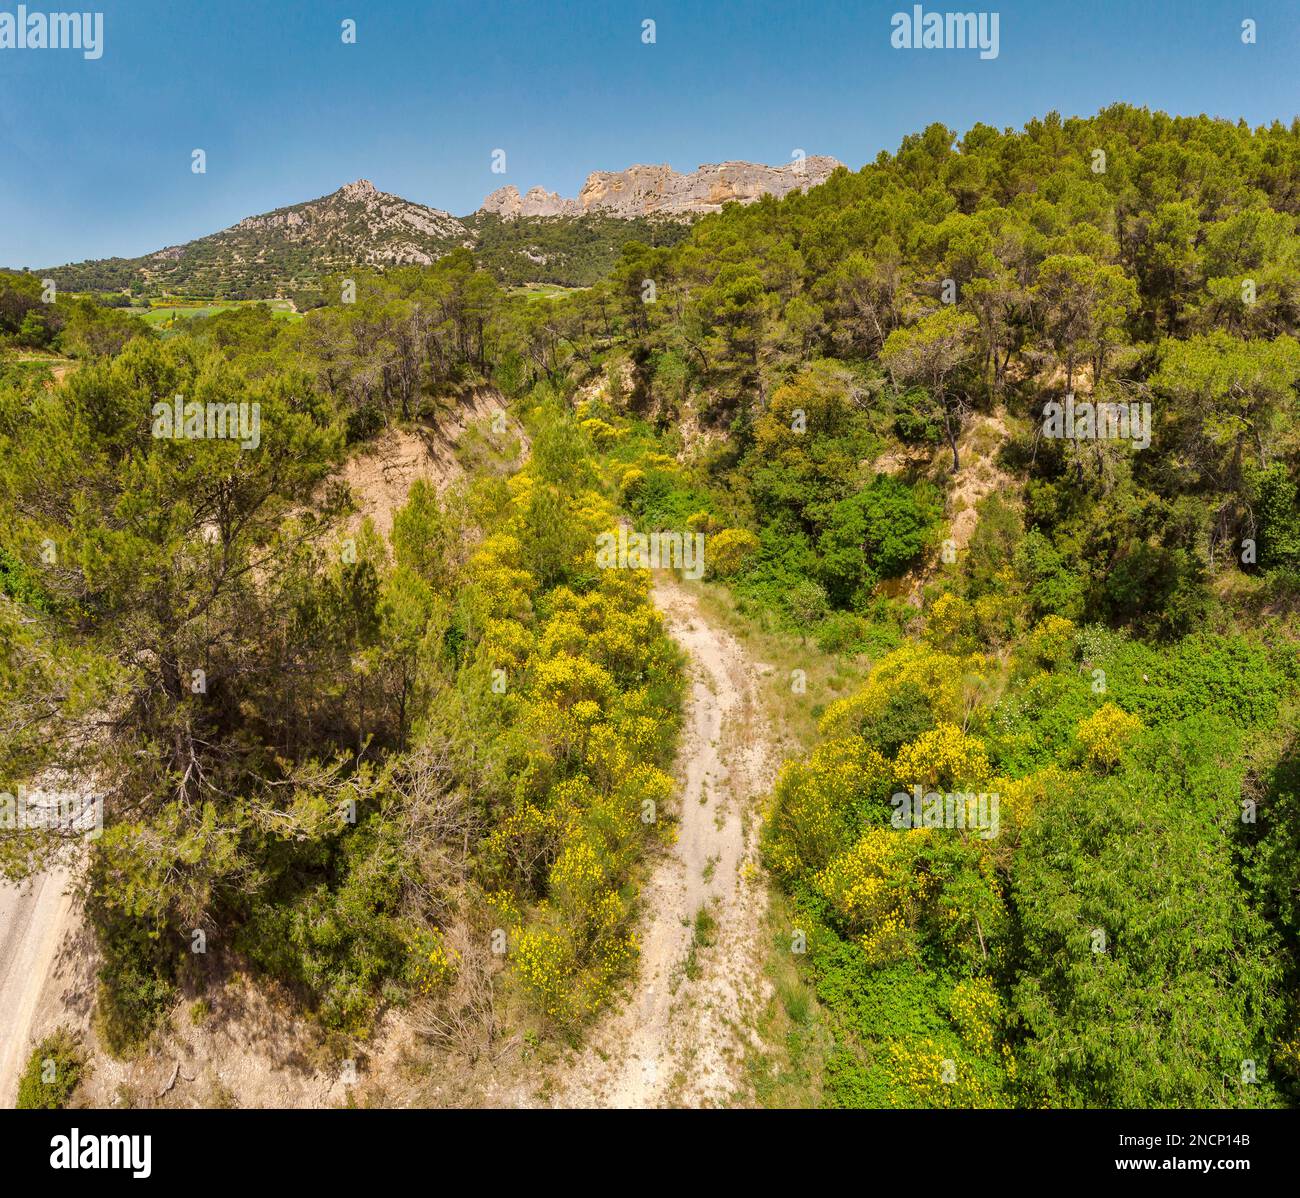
[33, 918]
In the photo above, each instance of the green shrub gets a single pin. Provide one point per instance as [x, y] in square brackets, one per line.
[137, 975]
[52, 1074]
[339, 936]
[728, 551]
[877, 533]
[843, 632]
[19, 583]
[993, 543]
[1279, 540]
[364, 423]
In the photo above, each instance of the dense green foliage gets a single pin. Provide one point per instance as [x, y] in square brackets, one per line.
[257, 260]
[52, 1074]
[31, 318]
[1111, 650]
[1118, 283]
[404, 745]
[573, 251]
[341, 759]
[282, 253]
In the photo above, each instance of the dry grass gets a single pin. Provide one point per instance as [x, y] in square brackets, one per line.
[791, 717]
[786, 1073]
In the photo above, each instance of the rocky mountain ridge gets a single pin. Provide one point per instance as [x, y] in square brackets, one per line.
[290, 250]
[643, 190]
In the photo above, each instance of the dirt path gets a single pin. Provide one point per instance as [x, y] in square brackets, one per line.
[680, 1039]
[33, 920]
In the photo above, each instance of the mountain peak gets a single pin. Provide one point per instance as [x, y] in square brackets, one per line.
[506, 202]
[293, 247]
[361, 189]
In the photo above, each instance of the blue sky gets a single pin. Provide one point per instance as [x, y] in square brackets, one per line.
[95, 156]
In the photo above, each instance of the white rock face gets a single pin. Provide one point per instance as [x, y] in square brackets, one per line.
[507, 203]
[661, 191]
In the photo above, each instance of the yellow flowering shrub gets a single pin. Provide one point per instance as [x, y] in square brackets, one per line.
[602, 434]
[506, 644]
[642, 735]
[949, 621]
[631, 646]
[500, 584]
[976, 1012]
[593, 512]
[577, 874]
[632, 482]
[944, 757]
[726, 552]
[549, 730]
[873, 889]
[525, 843]
[818, 804]
[617, 591]
[659, 461]
[571, 968]
[1287, 1056]
[589, 715]
[430, 963]
[606, 755]
[503, 908]
[520, 485]
[940, 679]
[1051, 643]
[896, 889]
[562, 634]
[924, 1073]
[1104, 734]
[545, 963]
[564, 680]
[644, 791]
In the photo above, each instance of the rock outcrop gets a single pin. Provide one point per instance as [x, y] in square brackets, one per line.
[661, 191]
[506, 202]
[360, 224]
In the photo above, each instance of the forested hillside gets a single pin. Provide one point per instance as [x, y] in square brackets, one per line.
[280, 253]
[291, 251]
[571, 251]
[351, 761]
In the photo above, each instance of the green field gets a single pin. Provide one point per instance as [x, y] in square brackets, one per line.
[546, 291]
[170, 315]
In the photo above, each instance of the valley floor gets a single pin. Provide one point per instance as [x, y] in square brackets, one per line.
[682, 1036]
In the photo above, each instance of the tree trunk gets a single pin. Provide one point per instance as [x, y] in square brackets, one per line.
[951, 430]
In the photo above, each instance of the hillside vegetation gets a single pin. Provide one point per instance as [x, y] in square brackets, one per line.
[292, 252]
[280, 253]
[402, 748]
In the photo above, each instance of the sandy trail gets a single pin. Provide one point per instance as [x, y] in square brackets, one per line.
[680, 1039]
[33, 919]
